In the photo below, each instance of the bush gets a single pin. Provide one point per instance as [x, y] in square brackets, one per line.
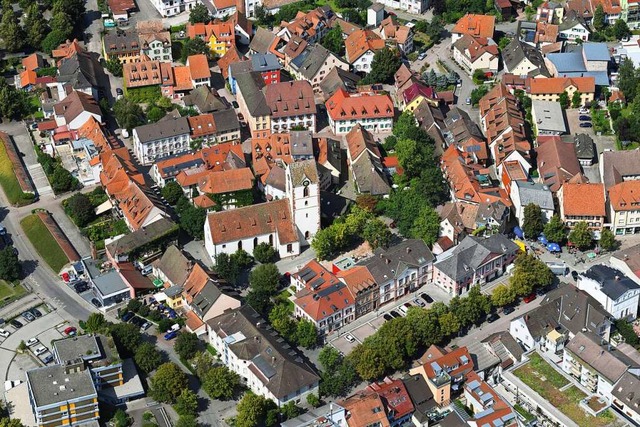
[165, 324]
[264, 253]
[80, 209]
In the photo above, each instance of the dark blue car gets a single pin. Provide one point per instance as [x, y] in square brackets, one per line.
[170, 335]
[128, 315]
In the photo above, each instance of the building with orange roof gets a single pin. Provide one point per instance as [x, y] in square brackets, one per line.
[232, 56]
[475, 26]
[624, 205]
[373, 111]
[392, 32]
[66, 50]
[612, 9]
[219, 35]
[199, 70]
[550, 89]
[93, 130]
[145, 73]
[557, 161]
[26, 80]
[310, 26]
[363, 287]
[33, 62]
[228, 182]
[385, 403]
[360, 46]
[322, 298]
[284, 224]
[444, 371]
[488, 407]
[545, 34]
[366, 163]
[203, 201]
[365, 409]
[476, 53]
[583, 202]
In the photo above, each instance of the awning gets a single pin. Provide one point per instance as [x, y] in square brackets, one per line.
[104, 207]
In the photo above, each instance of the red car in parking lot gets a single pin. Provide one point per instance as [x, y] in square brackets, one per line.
[529, 297]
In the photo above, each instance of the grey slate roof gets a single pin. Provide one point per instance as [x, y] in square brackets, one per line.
[536, 193]
[262, 40]
[175, 265]
[420, 395]
[163, 129]
[51, 384]
[472, 252]
[205, 299]
[585, 148]
[338, 78]
[613, 282]
[570, 20]
[285, 371]
[308, 63]
[264, 62]
[387, 264]
[82, 71]
[250, 86]
[516, 51]
[611, 364]
[205, 101]
[226, 120]
[616, 165]
[303, 169]
[301, 143]
[627, 391]
[368, 174]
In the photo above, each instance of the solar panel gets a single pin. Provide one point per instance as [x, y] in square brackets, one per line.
[264, 367]
[474, 384]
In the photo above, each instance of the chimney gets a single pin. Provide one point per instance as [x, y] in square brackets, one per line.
[617, 277]
[408, 250]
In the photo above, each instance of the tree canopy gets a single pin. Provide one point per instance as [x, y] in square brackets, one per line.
[199, 14]
[168, 382]
[384, 65]
[533, 223]
[221, 383]
[10, 267]
[581, 235]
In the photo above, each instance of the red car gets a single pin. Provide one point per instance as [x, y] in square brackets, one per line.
[70, 331]
[529, 298]
[65, 277]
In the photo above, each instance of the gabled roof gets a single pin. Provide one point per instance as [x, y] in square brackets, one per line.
[475, 25]
[613, 283]
[198, 67]
[232, 55]
[33, 62]
[75, 104]
[475, 47]
[337, 79]
[361, 41]
[618, 165]
[391, 263]
[625, 196]
[610, 364]
[352, 106]
[226, 181]
[557, 161]
[583, 199]
[517, 51]
[627, 391]
[175, 265]
[250, 86]
[167, 128]
[293, 98]
[557, 85]
[366, 162]
[263, 41]
[309, 62]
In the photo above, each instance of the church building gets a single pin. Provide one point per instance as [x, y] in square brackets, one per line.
[286, 224]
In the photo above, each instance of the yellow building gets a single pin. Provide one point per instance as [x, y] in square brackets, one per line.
[550, 89]
[220, 36]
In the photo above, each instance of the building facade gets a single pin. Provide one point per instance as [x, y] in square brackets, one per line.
[162, 139]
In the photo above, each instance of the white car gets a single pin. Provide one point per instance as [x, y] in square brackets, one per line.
[32, 342]
[4, 333]
[350, 338]
[40, 350]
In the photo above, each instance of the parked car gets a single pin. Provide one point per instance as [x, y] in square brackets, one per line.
[3, 230]
[119, 92]
[30, 317]
[350, 338]
[530, 297]
[127, 316]
[508, 310]
[65, 276]
[48, 359]
[585, 118]
[170, 335]
[468, 101]
[583, 110]
[394, 313]
[586, 125]
[574, 275]
[40, 350]
[145, 326]
[492, 317]
[387, 317]
[136, 321]
[427, 298]
[419, 302]
[96, 302]
[422, 56]
[4, 333]
[80, 287]
[36, 312]
[403, 309]
[235, 104]
[240, 117]
[16, 324]
[70, 330]
[32, 341]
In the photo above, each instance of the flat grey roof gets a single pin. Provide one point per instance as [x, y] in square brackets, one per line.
[51, 384]
[549, 116]
[109, 283]
[84, 346]
[132, 386]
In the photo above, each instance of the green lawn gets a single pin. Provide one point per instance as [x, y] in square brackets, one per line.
[9, 292]
[9, 182]
[546, 381]
[44, 243]
[283, 297]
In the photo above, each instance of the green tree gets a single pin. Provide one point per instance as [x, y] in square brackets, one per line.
[449, 324]
[554, 230]
[128, 114]
[13, 422]
[264, 253]
[147, 357]
[281, 320]
[478, 93]
[426, 225]
[333, 41]
[581, 235]
[187, 345]
[253, 410]
[79, 208]
[192, 221]
[263, 282]
[96, 323]
[126, 336]
[607, 240]
[187, 421]
[377, 233]
[384, 65]
[313, 400]
[290, 410]
[35, 25]
[323, 243]
[10, 267]
[306, 334]
[62, 180]
[598, 18]
[61, 23]
[14, 103]
[52, 40]
[168, 382]
[154, 114]
[503, 295]
[114, 66]
[532, 224]
[199, 14]
[226, 268]
[121, 419]
[576, 99]
[194, 46]
[621, 29]
[221, 383]
[529, 273]
[11, 31]
[172, 192]
[479, 76]
[338, 374]
[187, 403]
[564, 100]
[164, 324]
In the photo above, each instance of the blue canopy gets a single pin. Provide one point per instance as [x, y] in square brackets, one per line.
[553, 247]
[518, 232]
[542, 239]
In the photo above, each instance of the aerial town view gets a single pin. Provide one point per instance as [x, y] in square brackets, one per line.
[320, 213]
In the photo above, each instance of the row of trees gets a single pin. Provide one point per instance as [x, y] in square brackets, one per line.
[36, 32]
[529, 274]
[360, 224]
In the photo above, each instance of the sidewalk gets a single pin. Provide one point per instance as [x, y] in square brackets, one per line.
[19, 306]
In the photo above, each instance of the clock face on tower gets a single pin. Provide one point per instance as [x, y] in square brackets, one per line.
[305, 182]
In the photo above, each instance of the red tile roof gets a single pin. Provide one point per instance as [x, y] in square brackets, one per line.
[557, 161]
[583, 200]
[625, 196]
[455, 362]
[198, 67]
[202, 125]
[395, 397]
[232, 56]
[361, 41]
[203, 201]
[352, 106]
[145, 73]
[557, 85]
[226, 181]
[475, 25]
[292, 98]
[33, 62]
[418, 89]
